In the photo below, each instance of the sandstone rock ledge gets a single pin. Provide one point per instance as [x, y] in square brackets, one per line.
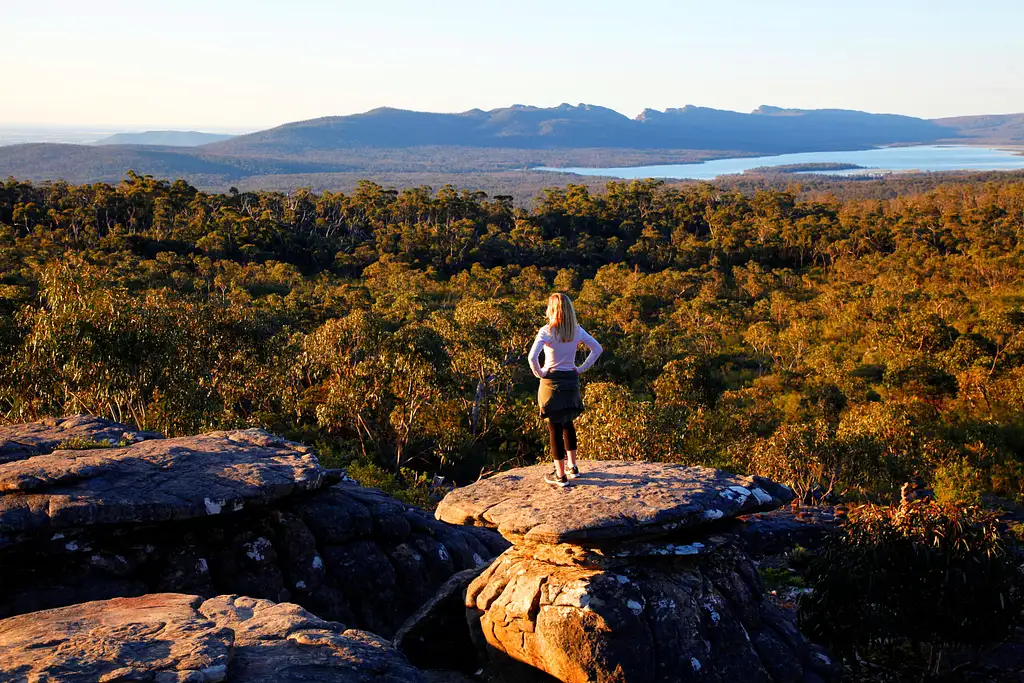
[174, 638]
[18, 442]
[242, 512]
[153, 481]
[610, 500]
[630, 575]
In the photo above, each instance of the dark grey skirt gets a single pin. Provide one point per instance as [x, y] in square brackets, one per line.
[558, 396]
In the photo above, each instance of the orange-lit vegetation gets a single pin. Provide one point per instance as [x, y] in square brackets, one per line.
[839, 345]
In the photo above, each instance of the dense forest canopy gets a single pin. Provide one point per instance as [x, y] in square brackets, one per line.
[840, 345]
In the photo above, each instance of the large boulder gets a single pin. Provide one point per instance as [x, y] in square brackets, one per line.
[657, 613]
[230, 512]
[175, 638]
[21, 441]
[631, 575]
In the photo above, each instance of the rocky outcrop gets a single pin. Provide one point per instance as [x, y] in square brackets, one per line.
[662, 591]
[230, 512]
[175, 638]
[152, 481]
[21, 441]
[778, 531]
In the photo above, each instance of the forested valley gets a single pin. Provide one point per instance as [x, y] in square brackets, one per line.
[842, 346]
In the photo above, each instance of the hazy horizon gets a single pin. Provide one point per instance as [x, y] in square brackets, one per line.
[253, 65]
[105, 129]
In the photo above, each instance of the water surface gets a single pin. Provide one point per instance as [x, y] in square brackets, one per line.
[885, 159]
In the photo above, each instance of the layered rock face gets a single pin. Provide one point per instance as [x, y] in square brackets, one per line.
[240, 512]
[631, 575]
[175, 638]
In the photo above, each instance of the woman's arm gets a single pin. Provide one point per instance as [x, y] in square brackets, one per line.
[534, 356]
[595, 351]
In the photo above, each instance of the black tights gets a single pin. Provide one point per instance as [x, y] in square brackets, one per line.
[563, 438]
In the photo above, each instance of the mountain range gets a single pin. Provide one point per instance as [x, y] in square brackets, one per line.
[168, 138]
[387, 143]
[765, 130]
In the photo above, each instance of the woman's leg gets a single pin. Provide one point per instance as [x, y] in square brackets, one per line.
[569, 439]
[557, 446]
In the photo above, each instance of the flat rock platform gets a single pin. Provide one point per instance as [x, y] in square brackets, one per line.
[609, 501]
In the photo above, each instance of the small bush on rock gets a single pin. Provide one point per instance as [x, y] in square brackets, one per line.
[79, 444]
[775, 577]
[913, 584]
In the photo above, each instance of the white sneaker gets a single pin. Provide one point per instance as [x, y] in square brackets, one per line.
[558, 481]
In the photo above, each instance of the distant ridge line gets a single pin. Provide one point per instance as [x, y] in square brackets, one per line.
[421, 146]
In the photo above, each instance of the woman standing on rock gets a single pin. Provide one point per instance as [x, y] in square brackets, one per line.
[559, 394]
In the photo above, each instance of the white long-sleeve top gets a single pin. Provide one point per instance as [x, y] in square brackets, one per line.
[561, 355]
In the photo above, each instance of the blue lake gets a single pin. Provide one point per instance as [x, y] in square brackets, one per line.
[885, 159]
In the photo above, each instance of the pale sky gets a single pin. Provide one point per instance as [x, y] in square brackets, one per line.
[247, 64]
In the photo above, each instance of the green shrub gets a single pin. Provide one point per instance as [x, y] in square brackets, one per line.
[802, 456]
[618, 425]
[913, 584]
[79, 444]
[800, 558]
[411, 487]
[775, 578]
[957, 483]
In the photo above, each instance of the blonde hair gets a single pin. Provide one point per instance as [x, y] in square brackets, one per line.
[562, 317]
